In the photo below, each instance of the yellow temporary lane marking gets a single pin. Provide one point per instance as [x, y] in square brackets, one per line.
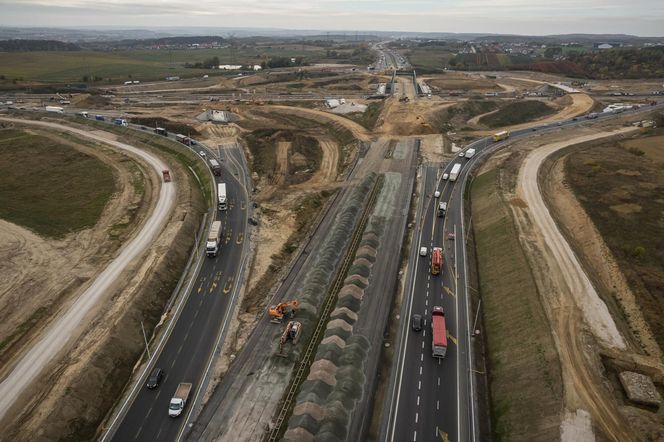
[200, 288]
[215, 280]
[449, 292]
[229, 285]
[240, 237]
[452, 338]
[443, 436]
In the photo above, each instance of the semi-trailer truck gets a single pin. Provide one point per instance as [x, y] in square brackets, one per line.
[454, 174]
[436, 261]
[221, 196]
[183, 139]
[502, 135]
[56, 109]
[214, 239]
[179, 399]
[438, 333]
[216, 168]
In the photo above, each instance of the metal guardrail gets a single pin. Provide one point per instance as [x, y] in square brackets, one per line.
[305, 362]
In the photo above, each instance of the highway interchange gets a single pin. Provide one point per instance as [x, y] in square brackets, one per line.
[428, 399]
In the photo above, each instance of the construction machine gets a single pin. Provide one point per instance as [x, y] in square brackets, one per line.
[284, 310]
[292, 332]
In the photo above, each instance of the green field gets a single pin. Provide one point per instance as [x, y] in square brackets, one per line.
[48, 187]
[428, 58]
[142, 65]
[516, 113]
[524, 371]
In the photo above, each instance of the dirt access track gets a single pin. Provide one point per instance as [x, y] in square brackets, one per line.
[581, 104]
[68, 325]
[358, 131]
[572, 301]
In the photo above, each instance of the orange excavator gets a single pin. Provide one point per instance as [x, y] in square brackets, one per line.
[284, 310]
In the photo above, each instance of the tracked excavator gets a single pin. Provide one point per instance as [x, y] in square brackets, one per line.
[291, 333]
[284, 310]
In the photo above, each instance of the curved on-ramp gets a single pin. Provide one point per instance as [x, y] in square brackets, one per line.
[578, 283]
[574, 280]
[63, 329]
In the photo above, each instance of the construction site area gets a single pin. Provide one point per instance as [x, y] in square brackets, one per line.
[258, 256]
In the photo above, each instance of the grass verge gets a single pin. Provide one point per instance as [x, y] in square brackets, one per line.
[171, 126]
[621, 188]
[517, 112]
[525, 380]
[369, 117]
[56, 190]
[456, 116]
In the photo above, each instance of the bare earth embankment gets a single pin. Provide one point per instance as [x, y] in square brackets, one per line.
[75, 391]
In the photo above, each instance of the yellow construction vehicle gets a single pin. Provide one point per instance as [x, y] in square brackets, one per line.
[284, 310]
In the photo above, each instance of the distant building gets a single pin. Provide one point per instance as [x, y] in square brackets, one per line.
[257, 67]
[230, 67]
[604, 46]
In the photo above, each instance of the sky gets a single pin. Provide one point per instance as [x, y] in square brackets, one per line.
[530, 17]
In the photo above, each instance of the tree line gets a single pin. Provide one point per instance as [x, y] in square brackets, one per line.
[36, 45]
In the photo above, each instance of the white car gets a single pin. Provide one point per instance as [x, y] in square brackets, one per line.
[202, 153]
[446, 176]
[462, 153]
[423, 251]
[436, 194]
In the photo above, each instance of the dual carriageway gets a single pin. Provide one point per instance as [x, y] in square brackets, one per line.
[428, 398]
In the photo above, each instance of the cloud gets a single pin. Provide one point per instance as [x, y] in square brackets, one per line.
[500, 16]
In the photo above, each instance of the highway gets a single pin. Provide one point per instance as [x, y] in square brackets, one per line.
[187, 350]
[435, 399]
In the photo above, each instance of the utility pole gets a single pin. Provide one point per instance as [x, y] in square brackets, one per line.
[145, 338]
[477, 314]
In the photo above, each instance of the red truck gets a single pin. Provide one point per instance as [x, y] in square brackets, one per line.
[438, 333]
[436, 261]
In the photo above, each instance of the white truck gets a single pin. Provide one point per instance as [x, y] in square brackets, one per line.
[56, 109]
[179, 399]
[213, 239]
[221, 196]
[470, 153]
[454, 174]
[442, 208]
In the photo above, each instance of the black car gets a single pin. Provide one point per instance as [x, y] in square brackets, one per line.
[417, 322]
[155, 378]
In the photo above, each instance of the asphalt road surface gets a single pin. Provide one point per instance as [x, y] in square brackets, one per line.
[200, 327]
[63, 330]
